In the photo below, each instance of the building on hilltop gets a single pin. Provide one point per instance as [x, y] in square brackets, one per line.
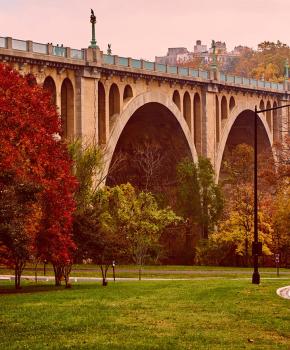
[172, 54]
[181, 55]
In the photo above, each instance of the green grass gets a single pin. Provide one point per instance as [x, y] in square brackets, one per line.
[212, 314]
[159, 271]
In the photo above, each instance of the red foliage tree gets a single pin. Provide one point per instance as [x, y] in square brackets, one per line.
[31, 156]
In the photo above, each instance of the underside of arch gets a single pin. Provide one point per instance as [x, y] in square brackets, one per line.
[241, 131]
[148, 150]
[150, 136]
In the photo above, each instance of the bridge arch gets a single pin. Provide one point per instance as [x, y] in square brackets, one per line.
[165, 102]
[114, 103]
[224, 108]
[128, 93]
[240, 112]
[197, 129]
[232, 103]
[67, 108]
[187, 108]
[217, 119]
[176, 99]
[50, 86]
[101, 113]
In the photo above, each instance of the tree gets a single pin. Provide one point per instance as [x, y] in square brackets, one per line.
[281, 225]
[35, 173]
[200, 199]
[124, 224]
[231, 242]
[145, 226]
[237, 179]
[265, 63]
[88, 160]
[19, 220]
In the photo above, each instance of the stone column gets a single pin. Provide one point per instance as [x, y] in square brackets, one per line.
[79, 97]
[208, 103]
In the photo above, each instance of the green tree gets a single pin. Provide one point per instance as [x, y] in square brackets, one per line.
[145, 226]
[200, 199]
[88, 160]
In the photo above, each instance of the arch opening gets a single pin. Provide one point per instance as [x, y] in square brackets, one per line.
[128, 93]
[224, 108]
[101, 113]
[114, 102]
[67, 108]
[176, 99]
[217, 119]
[197, 123]
[232, 103]
[148, 151]
[49, 85]
[187, 108]
[242, 132]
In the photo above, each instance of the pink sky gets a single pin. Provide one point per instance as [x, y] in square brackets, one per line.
[143, 29]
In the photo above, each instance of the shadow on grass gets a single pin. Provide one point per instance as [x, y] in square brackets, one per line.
[38, 288]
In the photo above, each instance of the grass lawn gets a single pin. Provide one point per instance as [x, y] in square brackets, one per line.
[159, 271]
[212, 314]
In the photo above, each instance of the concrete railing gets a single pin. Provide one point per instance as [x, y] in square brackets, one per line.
[44, 49]
[114, 60]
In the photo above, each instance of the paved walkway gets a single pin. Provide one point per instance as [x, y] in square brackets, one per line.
[126, 279]
[284, 292]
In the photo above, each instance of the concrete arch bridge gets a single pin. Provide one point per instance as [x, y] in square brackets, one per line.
[121, 102]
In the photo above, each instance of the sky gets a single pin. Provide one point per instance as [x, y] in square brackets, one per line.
[146, 28]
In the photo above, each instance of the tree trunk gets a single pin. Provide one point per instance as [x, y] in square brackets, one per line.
[58, 273]
[104, 270]
[66, 272]
[35, 271]
[19, 266]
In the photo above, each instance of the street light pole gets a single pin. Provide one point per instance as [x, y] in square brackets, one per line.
[257, 246]
[256, 275]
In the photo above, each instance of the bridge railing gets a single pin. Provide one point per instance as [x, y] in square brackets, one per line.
[38, 48]
[153, 66]
[3, 42]
[114, 60]
[234, 79]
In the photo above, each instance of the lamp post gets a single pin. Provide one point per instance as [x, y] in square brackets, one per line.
[257, 246]
[93, 22]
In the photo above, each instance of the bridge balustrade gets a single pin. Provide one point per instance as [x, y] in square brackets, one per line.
[124, 61]
[183, 71]
[40, 48]
[148, 65]
[19, 45]
[172, 69]
[203, 74]
[193, 72]
[3, 42]
[58, 51]
[231, 79]
[76, 54]
[108, 59]
[160, 67]
[238, 80]
[135, 63]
